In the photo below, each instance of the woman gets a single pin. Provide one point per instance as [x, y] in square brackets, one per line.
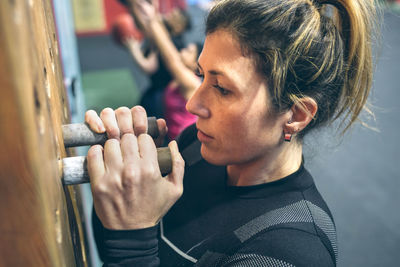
[272, 71]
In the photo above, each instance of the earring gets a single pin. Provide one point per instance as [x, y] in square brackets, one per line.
[288, 137]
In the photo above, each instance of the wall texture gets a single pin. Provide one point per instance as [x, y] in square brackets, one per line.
[40, 219]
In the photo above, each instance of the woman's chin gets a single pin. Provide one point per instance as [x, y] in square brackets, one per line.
[212, 157]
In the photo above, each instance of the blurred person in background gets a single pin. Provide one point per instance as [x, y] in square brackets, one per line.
[144, 52]
[181, 65]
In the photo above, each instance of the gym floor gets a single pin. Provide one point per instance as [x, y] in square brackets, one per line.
[359, 174]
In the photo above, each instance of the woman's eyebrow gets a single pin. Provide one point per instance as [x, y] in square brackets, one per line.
[212, 72]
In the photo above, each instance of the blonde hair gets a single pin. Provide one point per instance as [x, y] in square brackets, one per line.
[316, 48]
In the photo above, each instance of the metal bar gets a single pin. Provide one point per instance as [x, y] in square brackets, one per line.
[75, 168]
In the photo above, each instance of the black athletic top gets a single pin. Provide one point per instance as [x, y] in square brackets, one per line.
[282, 223]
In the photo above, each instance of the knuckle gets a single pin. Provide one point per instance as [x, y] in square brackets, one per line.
[140, 129]
[100, 190]
[149, 171]
[130, 172]
[127, 137]
[131, 177]
[113, 132]
[130, 136]
[126, 129]
[179, 164]
[128, 184]
[144, 137]
[112, 142]
[93, 151]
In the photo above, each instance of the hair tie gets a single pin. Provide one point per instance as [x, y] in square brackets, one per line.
[339, 7]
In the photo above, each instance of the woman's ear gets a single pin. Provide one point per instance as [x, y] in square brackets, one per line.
[302, 112]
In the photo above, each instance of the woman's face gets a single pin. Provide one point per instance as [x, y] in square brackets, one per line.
[235, 122]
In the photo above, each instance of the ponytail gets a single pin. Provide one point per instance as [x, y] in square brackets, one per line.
[357, 23]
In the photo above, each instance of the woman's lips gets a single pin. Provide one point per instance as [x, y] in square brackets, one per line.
[203, 137]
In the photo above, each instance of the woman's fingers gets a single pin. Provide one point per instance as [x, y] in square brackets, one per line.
[103, 184]
[148, 156]
[178, 166]
[131, 123]
[129, 149]
[107, 115]
[162, 130]
[95, 163]
[94, 121]
[124, 120]
[112, 155]
[139, 118]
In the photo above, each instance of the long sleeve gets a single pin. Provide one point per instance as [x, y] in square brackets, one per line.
[127, 247]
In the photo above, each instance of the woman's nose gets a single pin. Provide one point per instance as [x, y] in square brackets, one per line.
[196, 104]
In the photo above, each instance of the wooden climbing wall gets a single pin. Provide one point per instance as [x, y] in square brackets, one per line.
[40, 222]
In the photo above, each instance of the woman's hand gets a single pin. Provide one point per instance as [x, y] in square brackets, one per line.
[115, 128]
[128, 189]
[144, 12]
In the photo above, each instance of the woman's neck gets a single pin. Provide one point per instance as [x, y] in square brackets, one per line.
[267, 168]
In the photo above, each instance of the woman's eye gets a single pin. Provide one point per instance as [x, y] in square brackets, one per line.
[198, 74]
[222, 90]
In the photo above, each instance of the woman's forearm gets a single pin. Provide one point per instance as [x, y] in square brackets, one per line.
[183, 75]
[171, 57]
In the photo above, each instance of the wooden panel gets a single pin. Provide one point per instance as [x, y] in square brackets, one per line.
[40, 223]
